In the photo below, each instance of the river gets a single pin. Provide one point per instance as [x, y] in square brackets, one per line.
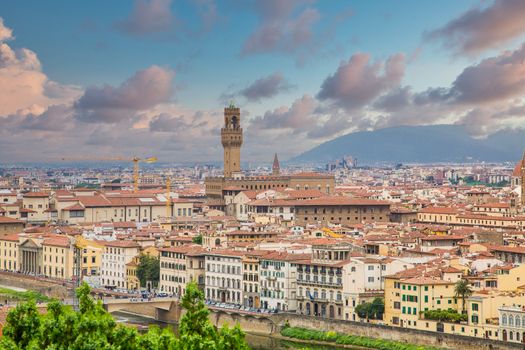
[256, 342]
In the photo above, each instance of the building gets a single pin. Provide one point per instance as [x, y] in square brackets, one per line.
[231, 138]
[320, 280]
[9, 225]
[278, 272]
[233, 179]
[36, 206]
[116, 255]
[512, 323]
[340, 210]
[406, 297]
[58, 257]
[224, 276]
[180, 265]
[9, 252]
[513, 255]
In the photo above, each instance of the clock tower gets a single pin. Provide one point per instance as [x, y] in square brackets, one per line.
[231, 137]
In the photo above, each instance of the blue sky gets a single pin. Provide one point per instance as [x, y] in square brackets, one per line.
[209, 51]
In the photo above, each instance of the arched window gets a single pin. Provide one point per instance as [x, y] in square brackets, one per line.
[504, 320]
[518, 321]
[511, 320]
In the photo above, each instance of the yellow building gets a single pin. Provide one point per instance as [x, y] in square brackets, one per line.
[91, 256]
[132, 280]
[36, 205]
[406, 298]
[58, 257]
[9, 256]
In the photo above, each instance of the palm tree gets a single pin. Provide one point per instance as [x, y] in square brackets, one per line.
[462, 290]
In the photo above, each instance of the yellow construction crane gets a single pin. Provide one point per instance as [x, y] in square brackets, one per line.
[135, 160]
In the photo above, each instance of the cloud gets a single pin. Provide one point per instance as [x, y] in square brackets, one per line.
[298, 117]
[479, 29]
[148, 17]
[108, 104]
[23, 84]
[285, 27]
[492, 79]
[265, 87]
[359, 81]
[5, 33]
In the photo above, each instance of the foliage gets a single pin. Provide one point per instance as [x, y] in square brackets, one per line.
[197, 239]
[373, 310]
[93, 328]
[23, 296]
[148, 270]
[449, 315]
[462, 290]
[344, 339]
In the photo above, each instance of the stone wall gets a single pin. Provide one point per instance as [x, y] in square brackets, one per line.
[50, 289]
[404, 335]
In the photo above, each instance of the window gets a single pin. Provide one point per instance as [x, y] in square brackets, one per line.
[475, 307]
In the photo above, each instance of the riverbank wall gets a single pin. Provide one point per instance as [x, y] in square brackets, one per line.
[268, 324]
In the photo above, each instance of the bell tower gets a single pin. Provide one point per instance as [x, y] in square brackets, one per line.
[231, 137]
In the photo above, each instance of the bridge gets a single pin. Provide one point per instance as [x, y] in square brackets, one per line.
[138, 305]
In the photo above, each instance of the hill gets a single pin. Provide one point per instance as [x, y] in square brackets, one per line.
[419, 144]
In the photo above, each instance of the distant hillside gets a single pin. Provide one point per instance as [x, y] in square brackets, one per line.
[421, 144]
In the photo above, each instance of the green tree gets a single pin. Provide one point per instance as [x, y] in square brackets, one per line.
[148, 270]
[93, 328]
[463, 290]
[197, 239]
[373, 310]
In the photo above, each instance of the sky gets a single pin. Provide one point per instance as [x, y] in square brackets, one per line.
[151, 77]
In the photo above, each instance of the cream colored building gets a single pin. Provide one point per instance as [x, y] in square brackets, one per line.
[180, 265]
[37, 206]
[9, 252]
[115, 257]
[58, 257]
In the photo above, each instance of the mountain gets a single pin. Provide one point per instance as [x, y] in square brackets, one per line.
[419, 144]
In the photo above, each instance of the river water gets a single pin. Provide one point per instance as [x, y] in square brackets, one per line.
[256, 342]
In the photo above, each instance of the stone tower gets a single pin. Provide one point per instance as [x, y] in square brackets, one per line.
[276, 168]
[231, 137]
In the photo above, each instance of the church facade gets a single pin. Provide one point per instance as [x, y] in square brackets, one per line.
[233, 180]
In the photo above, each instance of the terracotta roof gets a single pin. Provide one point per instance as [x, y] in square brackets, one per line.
[122, 244]
[339, 200]
[438, 210]
[57, 241]
[502, 248]
[36, 194]
[13, 237]
[8, 220]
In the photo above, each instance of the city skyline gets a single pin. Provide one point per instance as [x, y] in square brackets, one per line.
[152, 77]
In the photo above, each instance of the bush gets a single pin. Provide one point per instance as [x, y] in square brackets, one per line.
[449, 315]
[343, 339]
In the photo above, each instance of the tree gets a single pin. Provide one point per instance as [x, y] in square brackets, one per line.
[92, 327]
[462, 290]
[197, 239]
[148, 270]
[373, 310]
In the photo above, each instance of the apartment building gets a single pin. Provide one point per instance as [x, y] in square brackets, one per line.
[224, 276]
[180, 265]
[320, 280]
[278, 280]
[9, 252]
[116, 254]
